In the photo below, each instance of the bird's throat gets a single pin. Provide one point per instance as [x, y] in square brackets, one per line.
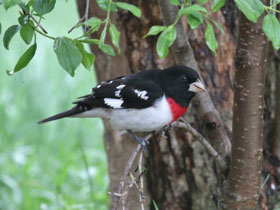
[176, 109]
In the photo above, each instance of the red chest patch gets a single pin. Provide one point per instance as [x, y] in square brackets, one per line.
[176, 109]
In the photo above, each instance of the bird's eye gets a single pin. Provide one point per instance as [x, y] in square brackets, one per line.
[183, 78]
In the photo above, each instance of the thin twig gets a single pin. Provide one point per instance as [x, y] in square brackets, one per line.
[87, 10]
[125, 174]
[141, 190]
[119, 195]
[86, 16]
[134, 182]
[83, 19]
[28, 13]
[126, 189]
[138, 187]
[221, 163]
[80, 21]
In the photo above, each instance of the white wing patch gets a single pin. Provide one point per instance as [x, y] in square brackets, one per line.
[120, 87]
[107, 82]
[117, 93]
[114, 103]
[142, 94]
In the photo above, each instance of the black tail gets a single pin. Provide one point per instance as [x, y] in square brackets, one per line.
[68, 113]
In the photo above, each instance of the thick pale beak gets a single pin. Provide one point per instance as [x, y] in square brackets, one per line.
[197, 86]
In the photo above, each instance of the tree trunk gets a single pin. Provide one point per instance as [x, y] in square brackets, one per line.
[245, 172]
[180, 174]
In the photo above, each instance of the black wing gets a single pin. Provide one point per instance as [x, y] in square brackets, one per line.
[135, 91]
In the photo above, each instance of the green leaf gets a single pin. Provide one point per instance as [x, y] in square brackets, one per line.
[107, 5]
[0, 28]
[131, 8]
[43, 6]
[154, 30]
[210, 38]
[217, 4]
[24, 59]
[87, 58]
[115, 36]
[195, 8]
[94, 23]
[252, 9]
[195, 19]
[202, 1]
[9, 3]
[26, 32]
[9, 34]
[23, 19]
[271, 28]
[103, 35]
[106, 48]
[175, 2]
[68, 54]
[165, 40]
[90, 41]
[219, 26]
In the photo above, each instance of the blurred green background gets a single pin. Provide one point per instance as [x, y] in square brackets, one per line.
[60, 165]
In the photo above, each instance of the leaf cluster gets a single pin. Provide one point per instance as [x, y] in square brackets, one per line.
[196, 15]
[70, 52]
[253, 9]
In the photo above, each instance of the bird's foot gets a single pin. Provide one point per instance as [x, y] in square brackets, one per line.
[142, 141]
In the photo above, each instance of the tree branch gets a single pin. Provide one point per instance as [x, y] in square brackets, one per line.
[87, 10]
[184, 125]
[83, 19]
[202, 103]
[141, 191]
[80, 21]
[127, 170]
[38, 24]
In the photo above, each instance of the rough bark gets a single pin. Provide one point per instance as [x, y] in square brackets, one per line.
[180, 174]
[245, 172]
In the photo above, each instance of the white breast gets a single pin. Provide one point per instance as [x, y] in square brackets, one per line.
[148, 119]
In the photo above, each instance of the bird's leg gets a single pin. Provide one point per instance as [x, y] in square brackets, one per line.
[141, 141]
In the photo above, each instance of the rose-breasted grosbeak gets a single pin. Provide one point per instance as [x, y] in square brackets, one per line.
[144, 101]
